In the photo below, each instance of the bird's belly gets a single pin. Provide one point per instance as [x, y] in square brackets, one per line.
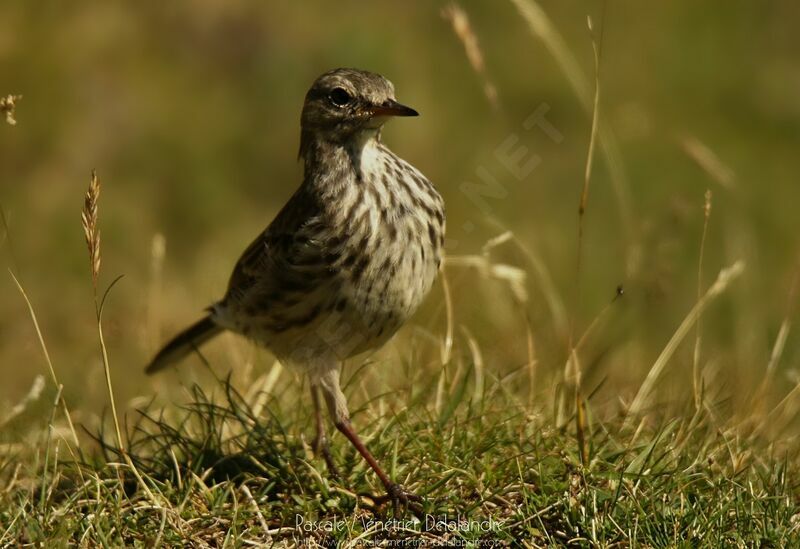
[348, 317]
[394, 284]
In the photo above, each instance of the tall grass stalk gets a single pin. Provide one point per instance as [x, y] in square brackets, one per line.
[543, 28]
[697, 381]
[580, 405]
[49, 362]
[91, 229]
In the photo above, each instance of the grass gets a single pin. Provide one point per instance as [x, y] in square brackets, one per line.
[225, 475]
[497, 465]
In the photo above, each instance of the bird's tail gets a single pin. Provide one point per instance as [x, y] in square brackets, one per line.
[183, 344]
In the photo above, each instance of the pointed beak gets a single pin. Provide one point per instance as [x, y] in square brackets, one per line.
[391, 107]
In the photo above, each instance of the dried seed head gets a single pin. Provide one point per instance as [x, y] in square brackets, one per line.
[7, 106]
[90, 227]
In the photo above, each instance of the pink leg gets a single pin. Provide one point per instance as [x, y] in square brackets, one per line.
[337, 405]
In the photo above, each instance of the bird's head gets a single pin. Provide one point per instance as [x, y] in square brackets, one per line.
[344, 103]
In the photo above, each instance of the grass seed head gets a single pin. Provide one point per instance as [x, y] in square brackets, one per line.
[90, 226]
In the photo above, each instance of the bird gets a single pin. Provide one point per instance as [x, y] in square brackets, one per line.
[346, 261]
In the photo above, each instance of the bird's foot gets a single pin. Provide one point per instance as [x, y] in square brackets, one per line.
[400, 498]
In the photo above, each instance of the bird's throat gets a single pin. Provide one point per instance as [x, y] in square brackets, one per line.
[327, 154]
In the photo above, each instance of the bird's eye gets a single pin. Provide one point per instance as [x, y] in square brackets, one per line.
[339, 97]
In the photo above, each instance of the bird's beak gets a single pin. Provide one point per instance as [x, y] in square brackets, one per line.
[391, 107]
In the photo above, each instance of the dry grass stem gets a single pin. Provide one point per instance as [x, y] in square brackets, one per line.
[708, 161]
[254, 504]
[43, 346]
[783, 332]
[152, 332]
[462, 28]
[724, 279]
[780, 340]
[532, 361]
[447, 342]
[542, 27]
[477, 363]
[513, 276]
[580, 405]
[697, 382]
[587, 175]
[91, 230]
[7, 240]
[32, 396]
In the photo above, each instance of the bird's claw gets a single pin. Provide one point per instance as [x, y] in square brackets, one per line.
[400, 497]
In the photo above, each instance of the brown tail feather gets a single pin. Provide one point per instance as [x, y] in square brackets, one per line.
[183, 344]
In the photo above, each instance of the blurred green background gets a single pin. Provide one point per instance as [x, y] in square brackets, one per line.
[189, 111]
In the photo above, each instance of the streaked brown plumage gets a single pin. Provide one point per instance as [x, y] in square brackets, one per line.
[346, 261]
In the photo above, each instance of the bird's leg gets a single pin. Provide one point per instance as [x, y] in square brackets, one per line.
[394, 492]
[337, 405]
[320, 444]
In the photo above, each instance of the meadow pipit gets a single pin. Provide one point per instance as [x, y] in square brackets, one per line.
[345, 262]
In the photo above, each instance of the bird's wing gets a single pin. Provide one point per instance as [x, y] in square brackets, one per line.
[291, 255]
